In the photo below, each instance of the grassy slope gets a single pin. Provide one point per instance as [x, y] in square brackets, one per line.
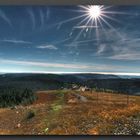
[54, 115]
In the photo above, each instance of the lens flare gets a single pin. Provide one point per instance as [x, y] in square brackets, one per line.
[94, 11]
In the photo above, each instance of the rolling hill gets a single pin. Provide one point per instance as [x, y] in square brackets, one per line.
[59, 81]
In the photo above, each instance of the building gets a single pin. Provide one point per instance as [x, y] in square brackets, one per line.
[84, 88]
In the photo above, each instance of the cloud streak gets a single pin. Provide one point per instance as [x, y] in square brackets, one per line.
[41, 18]
[43, 64]
[77, 67]
[32, 17]
[51, 47]
[16, 41]
[116, 48]
[5, 18]
[101, 49]
[126, 56]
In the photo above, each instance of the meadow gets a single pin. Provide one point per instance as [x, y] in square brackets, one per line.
[62, 112]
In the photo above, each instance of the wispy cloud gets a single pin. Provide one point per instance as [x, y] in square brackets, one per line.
[61, 41]
[101, 49]
[76, 66]
[80, 42]
[4, 17]
[116, 48]
[47, 13]
[16, 41]
[41, 18]
[126, 56]
[73, 44]
[43, 64]
[32, 17]
[51, 47]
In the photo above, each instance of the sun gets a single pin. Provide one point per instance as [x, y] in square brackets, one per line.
[94, 11]
[93, 19]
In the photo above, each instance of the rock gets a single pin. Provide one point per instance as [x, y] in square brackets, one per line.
[72, 100]
[17, 112]
[18, 125]
[93, 132]
[46, 130]
[81, 98]
[13, 107]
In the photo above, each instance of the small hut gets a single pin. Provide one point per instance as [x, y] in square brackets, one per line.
[84, 88]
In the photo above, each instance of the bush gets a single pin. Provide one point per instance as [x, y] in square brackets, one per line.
[11, 97]
[30, 114]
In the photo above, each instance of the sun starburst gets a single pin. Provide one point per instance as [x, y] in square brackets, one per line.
[94, 11]
[93, 18]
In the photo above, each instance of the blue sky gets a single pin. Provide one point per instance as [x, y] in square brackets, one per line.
[58, 39]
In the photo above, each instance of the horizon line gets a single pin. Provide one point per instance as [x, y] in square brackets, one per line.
[48, 72]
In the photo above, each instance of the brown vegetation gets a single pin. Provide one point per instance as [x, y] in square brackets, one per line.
[54, 114]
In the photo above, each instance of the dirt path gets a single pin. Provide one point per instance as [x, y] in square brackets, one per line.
[80, 97]
[44, 97]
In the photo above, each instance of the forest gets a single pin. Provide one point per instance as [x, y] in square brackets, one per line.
[11, 96]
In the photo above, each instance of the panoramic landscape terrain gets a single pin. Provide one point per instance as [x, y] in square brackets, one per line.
[70, 70]
[69, 104]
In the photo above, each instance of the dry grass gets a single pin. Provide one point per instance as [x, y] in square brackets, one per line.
[94, 117]
[110, 115]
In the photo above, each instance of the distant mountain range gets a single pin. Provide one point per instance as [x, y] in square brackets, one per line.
[57, 81]
[129, 76]
[94, 76]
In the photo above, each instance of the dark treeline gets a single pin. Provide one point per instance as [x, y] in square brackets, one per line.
[100, 82]
[10, 96]
[127, 86]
